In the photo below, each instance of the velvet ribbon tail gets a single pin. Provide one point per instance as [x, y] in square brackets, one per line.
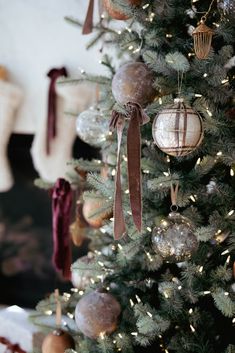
[137, 118]
[61, 209]
[88, 24]
[53, 74]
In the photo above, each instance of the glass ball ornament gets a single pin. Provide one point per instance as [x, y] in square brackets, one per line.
[92, 127]
[226, 6]
[177, 129]
[97, 313]
[174, 238]
[133, 82]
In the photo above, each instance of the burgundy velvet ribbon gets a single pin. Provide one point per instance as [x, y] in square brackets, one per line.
[61, 209]
[10, 347]
[88, 23]
[53, 74]
[136, 117]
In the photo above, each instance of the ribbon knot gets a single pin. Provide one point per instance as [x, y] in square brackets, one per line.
[53, 74]
[136, 117]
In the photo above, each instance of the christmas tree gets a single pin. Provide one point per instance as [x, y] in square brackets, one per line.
[160, 275]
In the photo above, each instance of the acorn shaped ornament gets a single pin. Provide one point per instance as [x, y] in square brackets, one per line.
[58, 340]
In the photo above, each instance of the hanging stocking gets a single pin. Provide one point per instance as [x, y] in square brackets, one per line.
[69, 99]
[10, 98]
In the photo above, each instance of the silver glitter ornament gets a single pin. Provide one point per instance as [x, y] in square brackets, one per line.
[174, 239]
[92, 127]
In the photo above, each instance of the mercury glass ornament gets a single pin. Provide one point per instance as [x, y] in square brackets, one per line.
[227, 6]
[92, 127]
[97, 313]
[174, 238]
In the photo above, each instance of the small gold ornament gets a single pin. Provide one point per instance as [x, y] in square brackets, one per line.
[202, 37]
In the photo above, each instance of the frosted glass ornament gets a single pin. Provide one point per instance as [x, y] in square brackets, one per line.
[177, 129]
[92, 127]
[133, 82]
[97, 313]
[174, 238]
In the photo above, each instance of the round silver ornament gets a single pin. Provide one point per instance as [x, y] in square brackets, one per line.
[92, 127]
[174, 239]
[81, 279]
[177, 129]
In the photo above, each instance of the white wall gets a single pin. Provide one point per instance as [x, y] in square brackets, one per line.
[34, 37]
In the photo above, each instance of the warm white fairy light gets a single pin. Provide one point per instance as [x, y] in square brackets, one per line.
[192, 328]
[134, 333]
[160, 101]
[190, 311]
[228, 259]
[138, 298]
[200, 269]
[129, 212]
[192, 198]
[206, 292]
[225, 252]
[119, 246]
[131, 303]
[166, 174]
[81, 292]
[101, 263]
[208, 112]
[75, 290]
[48, 312]
[130, 47]
[146, 171]
[166, 295]
[233, 321]
[149, 229]
[113, 173]
[219, 153]
[232, 172]
[102, 335]
[205, 74]
[111, 219]
[149, 314]
[225, 81]
[149, 257]
[128, 29]
[168, 35]
[198, 161]
[230, 213]
[119, 335]
[136, 50]
[119, 32]
[127, 191]
[197, 95]
[168, 159]
[124, 157]
[71, 316]
[66, 296]
[226, 293]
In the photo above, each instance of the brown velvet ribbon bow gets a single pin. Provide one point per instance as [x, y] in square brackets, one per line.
[53, 74]
[10, 347]
[136, 117]
[61, 210]
[88, 24]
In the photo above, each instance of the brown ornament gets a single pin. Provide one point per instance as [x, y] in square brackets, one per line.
[114, 12]
[57, 342]
[202, 37]
[97, 313]
[90, 208]
[133, 82]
